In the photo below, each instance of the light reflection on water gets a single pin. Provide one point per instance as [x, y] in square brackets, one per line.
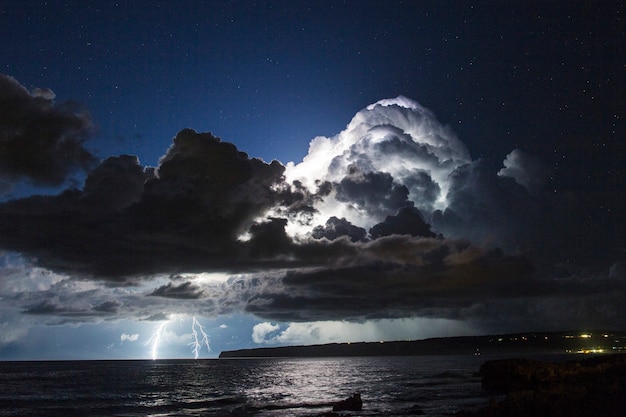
[305, 381]
[437, 385]
[385, 384]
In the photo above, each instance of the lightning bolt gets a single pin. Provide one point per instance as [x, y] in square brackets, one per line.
[199, 337]
[156, 338]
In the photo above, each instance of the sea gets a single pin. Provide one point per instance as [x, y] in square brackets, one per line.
[389, 386]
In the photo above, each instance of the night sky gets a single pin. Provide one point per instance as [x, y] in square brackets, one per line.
[295, 172]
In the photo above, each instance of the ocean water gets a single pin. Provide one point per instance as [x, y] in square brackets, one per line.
[389, 386]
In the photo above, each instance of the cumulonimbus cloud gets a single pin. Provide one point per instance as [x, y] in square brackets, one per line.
[388, 219]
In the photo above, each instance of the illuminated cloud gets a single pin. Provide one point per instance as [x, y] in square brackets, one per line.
[524, 169]
[129, 337]
[261, 331]
[393, 154]
[320, 332]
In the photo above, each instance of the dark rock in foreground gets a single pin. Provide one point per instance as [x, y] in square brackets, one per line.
[353, 403]
[591, 387]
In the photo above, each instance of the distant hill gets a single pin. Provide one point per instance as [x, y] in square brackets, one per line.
[535, 342]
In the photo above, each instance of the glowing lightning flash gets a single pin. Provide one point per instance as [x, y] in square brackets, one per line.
[156, 338]
[199, 337]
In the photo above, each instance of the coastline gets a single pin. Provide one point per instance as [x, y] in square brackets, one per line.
[599, 341]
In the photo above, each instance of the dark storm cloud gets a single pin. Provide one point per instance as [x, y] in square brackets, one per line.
[336, 228]
[208, 190]
[40, 140]
[269, 240]
[374, 192]
[71, 311]
[132, 221]
[584, 299]
[484, 207]
[444, 279]
[116, 183]
[111, 307]
[186, 290]
[507, 210]
[46, 308]
[408, 221]
[439, 279]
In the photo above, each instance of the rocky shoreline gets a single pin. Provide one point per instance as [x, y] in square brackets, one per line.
[594, 386]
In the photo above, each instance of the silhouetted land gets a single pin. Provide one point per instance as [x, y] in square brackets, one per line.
[536, 342]
[594, 386]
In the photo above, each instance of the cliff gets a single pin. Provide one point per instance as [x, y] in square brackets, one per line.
[590, 387]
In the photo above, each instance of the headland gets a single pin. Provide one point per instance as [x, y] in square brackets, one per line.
[597, 341]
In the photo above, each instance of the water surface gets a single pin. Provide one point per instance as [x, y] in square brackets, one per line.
[436, 385]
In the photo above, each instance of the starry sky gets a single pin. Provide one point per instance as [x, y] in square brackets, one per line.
[293, 172]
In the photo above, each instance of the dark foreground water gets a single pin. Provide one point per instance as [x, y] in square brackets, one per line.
[389, 386]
